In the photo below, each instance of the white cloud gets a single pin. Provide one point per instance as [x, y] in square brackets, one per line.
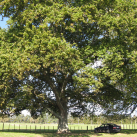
[25, 112]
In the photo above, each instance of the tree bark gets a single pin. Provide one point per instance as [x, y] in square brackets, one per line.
[63, 124]
[63, 119]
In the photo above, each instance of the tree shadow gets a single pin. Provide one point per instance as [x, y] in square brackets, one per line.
[74, 133]
[129, 131]
[53, 133]
[70, 135]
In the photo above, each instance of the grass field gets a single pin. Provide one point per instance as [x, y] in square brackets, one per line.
[28, 126]
[20, 126]
[124, 133]
[49, 130]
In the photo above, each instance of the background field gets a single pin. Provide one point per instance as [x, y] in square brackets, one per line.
[8, 126]
[49, 130]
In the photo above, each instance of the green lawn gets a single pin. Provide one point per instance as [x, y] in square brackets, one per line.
[49, 130]
[124, 133]
[18, 126]
[28, 126]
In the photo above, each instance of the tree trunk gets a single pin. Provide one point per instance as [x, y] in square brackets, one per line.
[63, 124]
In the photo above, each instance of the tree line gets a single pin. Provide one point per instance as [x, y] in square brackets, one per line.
[49, 119]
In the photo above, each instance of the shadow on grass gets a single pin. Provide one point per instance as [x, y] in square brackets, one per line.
[52, 133]
[70, 135]
[74, 133]
[129, 131]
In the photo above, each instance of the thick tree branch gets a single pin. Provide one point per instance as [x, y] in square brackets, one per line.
[65, 83]
[51, 83]
[55, 114]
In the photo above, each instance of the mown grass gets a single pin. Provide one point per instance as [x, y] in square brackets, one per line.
[123, 133]
[47, 130]
[28, 126]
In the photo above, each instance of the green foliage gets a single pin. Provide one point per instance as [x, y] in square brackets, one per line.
[47, 53]
[117, 119]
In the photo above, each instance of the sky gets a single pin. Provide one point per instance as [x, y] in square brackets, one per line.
[25, 112]
[3, 23]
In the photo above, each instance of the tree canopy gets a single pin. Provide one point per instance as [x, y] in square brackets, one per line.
[48, 52]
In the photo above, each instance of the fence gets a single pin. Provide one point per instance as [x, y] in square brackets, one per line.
[27, 127]
[20, 127]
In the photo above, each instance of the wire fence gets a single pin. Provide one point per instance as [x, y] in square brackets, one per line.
[23, 127]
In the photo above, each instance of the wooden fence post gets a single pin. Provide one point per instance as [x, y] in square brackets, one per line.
[3, 126]
[9, 127]
[14, 127]
[35, 128]
[87, 128]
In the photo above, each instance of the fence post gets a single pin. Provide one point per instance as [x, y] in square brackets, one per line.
[14, 127]
[87, 128]
[9, 127]
[3, 126]
[35, 128]
[26, 127]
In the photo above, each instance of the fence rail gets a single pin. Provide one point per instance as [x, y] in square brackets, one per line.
[53, 127]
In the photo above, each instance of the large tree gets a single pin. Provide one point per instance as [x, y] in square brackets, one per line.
[49, 50]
